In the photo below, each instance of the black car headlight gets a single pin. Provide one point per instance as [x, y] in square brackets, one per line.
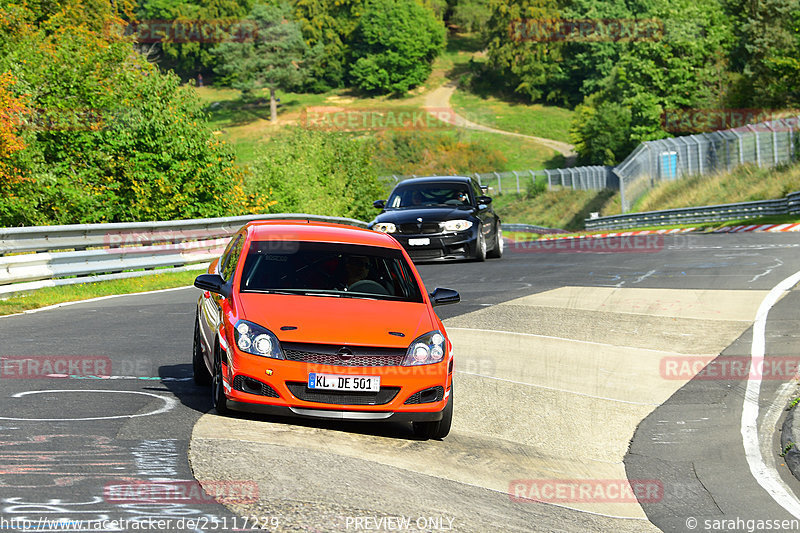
[385, 227]
[426, 350]
[256, 340]
[456, 225]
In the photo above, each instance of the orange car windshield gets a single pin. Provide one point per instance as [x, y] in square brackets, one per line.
[328, 269]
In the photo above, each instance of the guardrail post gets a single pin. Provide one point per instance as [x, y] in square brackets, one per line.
[549, 182]
[499, 183]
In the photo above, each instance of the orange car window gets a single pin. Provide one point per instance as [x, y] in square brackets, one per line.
[329, 269]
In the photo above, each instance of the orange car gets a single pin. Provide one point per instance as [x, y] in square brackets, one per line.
[325, 321]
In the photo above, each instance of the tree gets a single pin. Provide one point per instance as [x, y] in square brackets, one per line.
[771, 37]
[274, 58]
[106, 137]
[328, 24]
[394, 46]
[196, 25]
[586, 62]
[515, 51]
[471, 15]
[602, 134]
[685, 68]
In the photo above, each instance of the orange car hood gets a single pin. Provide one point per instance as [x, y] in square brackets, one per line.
[330, 320]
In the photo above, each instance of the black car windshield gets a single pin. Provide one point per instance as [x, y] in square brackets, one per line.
[329, 269]
[429, 195]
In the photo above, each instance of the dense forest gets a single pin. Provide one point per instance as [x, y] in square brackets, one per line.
[98, 121]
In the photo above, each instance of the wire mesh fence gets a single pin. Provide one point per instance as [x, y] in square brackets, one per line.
[766, 144]
[576, 178]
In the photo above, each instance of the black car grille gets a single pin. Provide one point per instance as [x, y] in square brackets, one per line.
[253, 386]
[432, 395]
[302, 392]
[326, 354]
[425, 255]
[425, 228]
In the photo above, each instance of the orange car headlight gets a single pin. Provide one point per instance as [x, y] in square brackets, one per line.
[256, 340]
[426, 350]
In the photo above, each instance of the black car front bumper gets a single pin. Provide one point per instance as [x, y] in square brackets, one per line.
[441, 247]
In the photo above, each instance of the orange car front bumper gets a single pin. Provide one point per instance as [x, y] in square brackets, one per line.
[287, 391]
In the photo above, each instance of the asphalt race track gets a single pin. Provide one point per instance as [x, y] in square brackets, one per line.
[578, 407]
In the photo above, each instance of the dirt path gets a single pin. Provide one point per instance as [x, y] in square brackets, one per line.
[437, 102]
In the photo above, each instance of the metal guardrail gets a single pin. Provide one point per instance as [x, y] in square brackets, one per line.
[531, 229]
[82, 236]
[99, 252]
[696, 215]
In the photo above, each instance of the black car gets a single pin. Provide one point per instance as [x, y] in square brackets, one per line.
[441, 218]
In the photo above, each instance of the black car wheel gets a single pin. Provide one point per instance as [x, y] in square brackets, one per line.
[440, 428]
[480, 248]
[497, 250]
[218, 389]
[199, 368]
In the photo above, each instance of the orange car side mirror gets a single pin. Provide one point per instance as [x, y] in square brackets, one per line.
[213, 283]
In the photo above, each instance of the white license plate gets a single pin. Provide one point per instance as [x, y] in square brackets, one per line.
[336, 382]
[419, 242]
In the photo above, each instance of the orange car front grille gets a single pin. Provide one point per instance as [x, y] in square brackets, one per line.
[389, 358]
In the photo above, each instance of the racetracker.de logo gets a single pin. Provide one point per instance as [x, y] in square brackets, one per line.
[587, 244]
[43, 366]
[333, 118]
[586, 30]
[586, 490]
[705, 120]
[713, 368]
[181, 492]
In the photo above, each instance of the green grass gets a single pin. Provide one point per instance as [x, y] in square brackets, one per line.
[83, 291]
[564, 208]
[454, 61]
[550, 122]
[521, 154]
[744, 184]
[245, 124]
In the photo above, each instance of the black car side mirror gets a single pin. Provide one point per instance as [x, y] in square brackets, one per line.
[212, 283]
[379, 204]
[441, 296]
[484, 200]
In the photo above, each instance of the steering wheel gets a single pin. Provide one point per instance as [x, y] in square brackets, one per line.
[368, 286]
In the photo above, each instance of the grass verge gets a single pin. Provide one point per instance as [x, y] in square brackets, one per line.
[84, 291]
[549, 122]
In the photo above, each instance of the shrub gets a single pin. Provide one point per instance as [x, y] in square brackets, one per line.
[315, 172]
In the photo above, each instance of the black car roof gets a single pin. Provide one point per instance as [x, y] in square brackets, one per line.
[435, 179]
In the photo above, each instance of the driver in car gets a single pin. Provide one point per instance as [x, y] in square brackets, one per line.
[356, 268]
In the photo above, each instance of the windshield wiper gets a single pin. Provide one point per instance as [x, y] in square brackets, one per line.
[274, 291]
